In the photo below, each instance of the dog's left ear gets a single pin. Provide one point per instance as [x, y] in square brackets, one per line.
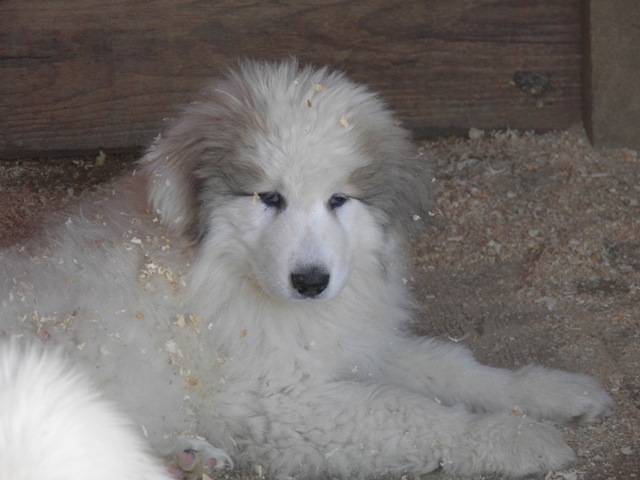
[410, 182]
[398, 181]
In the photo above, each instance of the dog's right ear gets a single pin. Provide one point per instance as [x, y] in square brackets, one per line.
[170, 184]
[172, 166]
[194, 163]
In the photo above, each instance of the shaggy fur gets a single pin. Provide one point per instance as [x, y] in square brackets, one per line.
[246, 285]
[53, 425]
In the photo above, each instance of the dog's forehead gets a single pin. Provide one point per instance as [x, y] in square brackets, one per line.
[308, 157]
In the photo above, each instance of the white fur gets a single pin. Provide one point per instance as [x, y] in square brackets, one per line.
[175, 287]
[54, 425]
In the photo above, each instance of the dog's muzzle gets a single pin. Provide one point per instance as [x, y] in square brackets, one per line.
[310, 281]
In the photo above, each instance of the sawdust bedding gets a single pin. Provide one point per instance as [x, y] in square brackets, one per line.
[532, 255]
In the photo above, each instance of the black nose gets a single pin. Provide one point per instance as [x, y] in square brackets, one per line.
[310, 281]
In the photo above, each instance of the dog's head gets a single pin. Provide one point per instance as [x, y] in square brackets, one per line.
[296, 171]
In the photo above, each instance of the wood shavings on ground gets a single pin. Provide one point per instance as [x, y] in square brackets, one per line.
[32, 187]
[532, 254]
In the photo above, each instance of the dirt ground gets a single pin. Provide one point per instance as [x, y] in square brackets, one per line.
[532, 255]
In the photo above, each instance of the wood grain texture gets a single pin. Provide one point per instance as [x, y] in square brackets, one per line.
[612, 55]
[86, 74]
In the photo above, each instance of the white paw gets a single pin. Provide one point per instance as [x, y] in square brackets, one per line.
[510, 444]
[560, 396]
[198, 458]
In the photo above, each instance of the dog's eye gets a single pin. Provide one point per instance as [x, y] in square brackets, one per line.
[337, 200]
[272, 199]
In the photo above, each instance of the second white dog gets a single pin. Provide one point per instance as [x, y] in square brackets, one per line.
[54, 425]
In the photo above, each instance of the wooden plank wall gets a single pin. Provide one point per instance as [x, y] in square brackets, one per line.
[612, 56]
[79, 75]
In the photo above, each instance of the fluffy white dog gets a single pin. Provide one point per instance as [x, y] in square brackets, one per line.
[244, 289]
[54, 425]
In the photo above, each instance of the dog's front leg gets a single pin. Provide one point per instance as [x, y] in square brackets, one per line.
[348, 428]
[450, 374]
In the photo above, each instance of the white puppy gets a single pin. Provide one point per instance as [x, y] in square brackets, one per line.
[54, 425]
[245, 285]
